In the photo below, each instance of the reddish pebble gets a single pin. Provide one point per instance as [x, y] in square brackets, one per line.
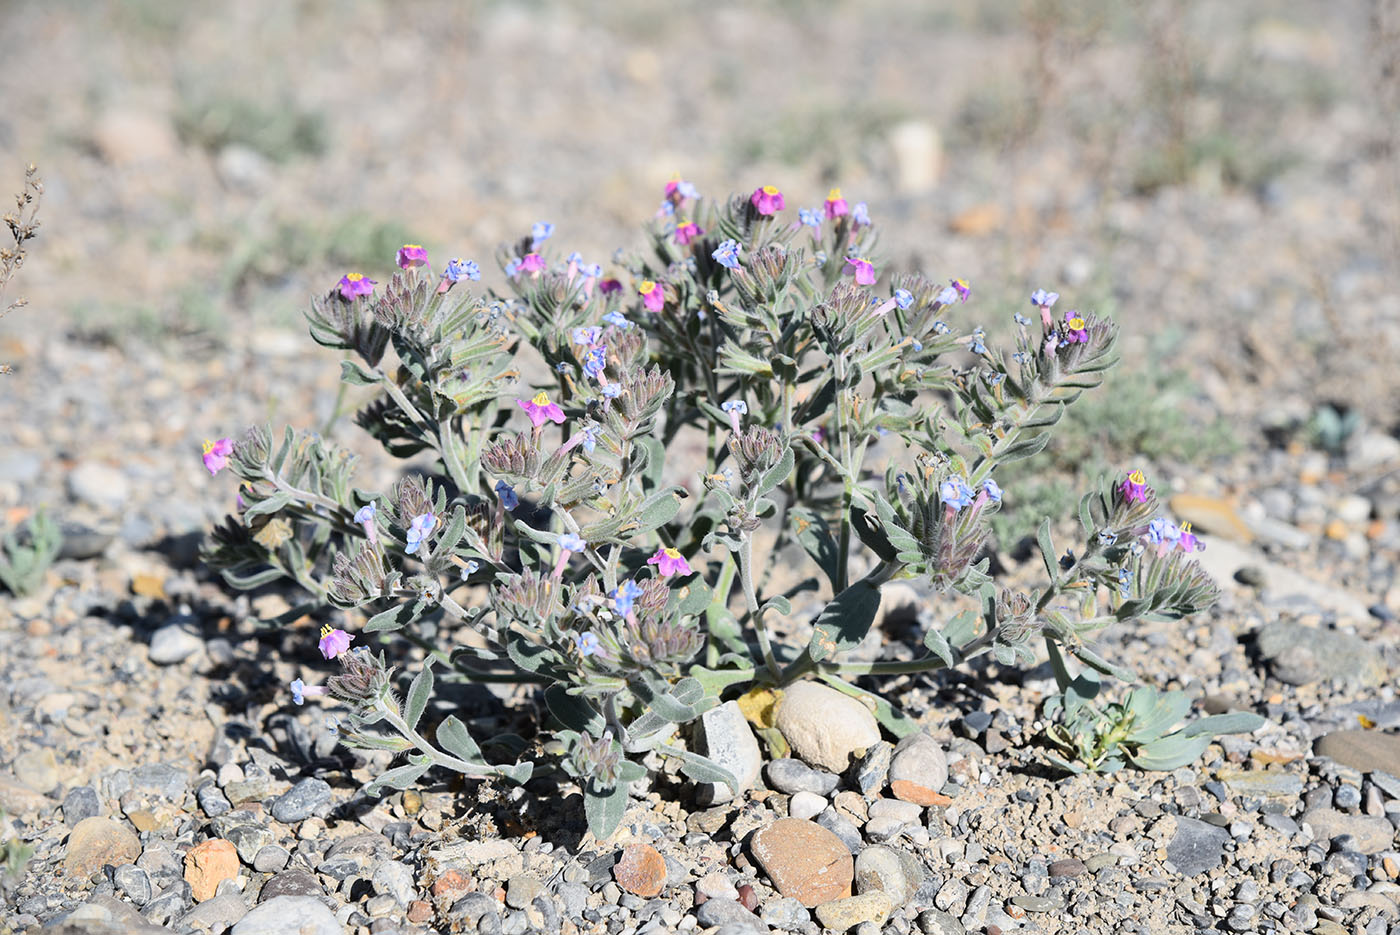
[451, 885]
[907, 791]
[804, 861]
[419, 911]
[641, 871]
[208, 864]
[748, 898]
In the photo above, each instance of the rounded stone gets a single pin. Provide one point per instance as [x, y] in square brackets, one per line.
[806, 805]
[804, 861]
[918, 770]
[842, 914]
[881, 869]
[302, 800]
[824, 727]
[284, 915]
[174, 643]
[793, 776]
[95, 842]
[641, 870]
[208, 864]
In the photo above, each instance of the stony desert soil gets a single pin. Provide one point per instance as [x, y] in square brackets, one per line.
[1221, 178]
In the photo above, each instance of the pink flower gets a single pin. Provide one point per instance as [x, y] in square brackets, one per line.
[864, 270]
[768, 200]
[962, 288]
[1134, 488]
[334, 642]
[653, 295]
[1188, 542]
[686, 231]
[609, 286]
[541, 410]
[216, 454]
[669, 562]
[355, 284]
[411, 255]
[1075, 330]
[531, 263]
[835, 205]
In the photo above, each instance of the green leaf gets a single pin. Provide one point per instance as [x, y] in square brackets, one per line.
[1235, 722]
[399, 778]
[272, 504]
[392, 619]
[573, 712]
[812, 533]
[702, 769]
[1168, 753]
[937, 644]
[604, 808]
[962, 629]
[456, 527]
[532, 657]
[715, 681]
[656, 460]
[872, 532]
[658, 509]
[518, 773]
[1090, 658]
[844, 622]
[776, 474]
[355, 375]
[1166, 711]
[694, 595]
[1047, 551]
[418, 694]
[1024, 448]
[452, 735]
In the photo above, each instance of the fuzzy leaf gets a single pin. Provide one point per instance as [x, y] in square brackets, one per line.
[399, 778]
[1235, 722]
[1025, 448]
[658, 509]
[1168, 753]
[844, 622]
[355, 375]
[937, 644]
[269, 506]
[518, 773]
[453, 737]
[1047, 551]
[418, 694]
[1090, 658]
[776, 474]
[574, 712]
[392, 619]
[703, 769]
[813, 535]
[604, 808]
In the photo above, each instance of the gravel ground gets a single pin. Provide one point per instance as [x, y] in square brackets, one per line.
[148, 750]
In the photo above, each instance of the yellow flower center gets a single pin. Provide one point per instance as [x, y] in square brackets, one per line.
[1137, 477]
[541, 398]
[208, 446]
[646, 287]
[1186, 527]
[325, 630]
[769, 190]
[1076, 323]
[413, 246]
[672, 553]
[960, 283]
[354, 277]
[834, 195]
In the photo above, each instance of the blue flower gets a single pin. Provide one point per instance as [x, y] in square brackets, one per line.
[727, 254]
[297, 687]
[975, 345]
[903, 298]
[1125, 581]
[860, 214]
[992, 489]
[593, 270]
[572, 543]
[418, 531]
[1159, 531]
[623, 595]
[509, 499]
[811, 217]
[735, 405]
[540, 231]
[687, 190]
[574, 259]
[459, 269]
[366, 513]
[512, 267]
[667, 208]
[612, 390]
[1020, 319]
[617, 320]
[587, 644]
[1042, 299]
[590, 438]
[1107, 537]
[1021, 357]
[588, 335]
[948, 296]
[595, 360]
[955, 493]
[469, 568]
[940, 327]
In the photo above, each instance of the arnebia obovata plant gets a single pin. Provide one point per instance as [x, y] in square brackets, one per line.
[556, 539]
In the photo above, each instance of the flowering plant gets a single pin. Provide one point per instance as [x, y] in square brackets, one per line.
[558, 538]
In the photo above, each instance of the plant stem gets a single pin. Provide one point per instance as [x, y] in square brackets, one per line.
[438, 757]
[755, 610]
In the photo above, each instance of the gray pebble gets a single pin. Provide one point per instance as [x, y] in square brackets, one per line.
[713, 913]
[843, 828]
[1241, 918]
[1039, 903]
[873, 772]
[937, 922]
[1197, 846]
[976, 722]
[302, 800]
[212, 800]
[99, 485]
[217, 914]
[791, 775]
[174, 643]
[271, 858]
[573, 897]
[521, 890]
[473, 908]
[169, 904]
[786, 913]
[293, 883]
[80, 802]
[1345, 796]
[134, 883]
[304, 915]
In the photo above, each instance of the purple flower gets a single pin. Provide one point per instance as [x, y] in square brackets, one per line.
[540, 231]
[509, 499]
[301, 691]
[623, 596]
[961, 287]
[1075, 331]
[587, 336]
[541, 410]
[355, 284]
[903, 298]
[954, 493]
[727, 254]
[992, 490]
[216, 454]
[334, 642]
[767, 200]
[412, 255]
[531, 263]
[686, 231]
[587, 644]
[1134, 488]
[653, 295]
[864, 270]
[459, 269]
[1187, 540]
[669, 562]
[418, 531]
[835, 205]
[860, 215]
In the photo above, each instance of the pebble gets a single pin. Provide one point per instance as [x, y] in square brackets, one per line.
[641, 870]
[174, 643]
[804, 861]
[134, 882]
[1039, 903]
[1269, 783]
[717, 913]
[394, 878]
[247, 836]
[37, 769]
[1197, 846]
[301, 801]
[271, 858]
[919, 770]
[805, 805]
[1372, 835]
[842, 914]
[1065, 867]
[208, 864]
[169, 904]
[1365, 750]
[889, 871]
[793, 776]
[80, 802]
[824, 727]
[292, 883]
[786, 913]
[216, 914]
[726, 738]
[938, 922]
[99, 485]
[212, 800]
[873, 771]
[1301, 655]
[97, 841]
[282, 915]
[843, 828]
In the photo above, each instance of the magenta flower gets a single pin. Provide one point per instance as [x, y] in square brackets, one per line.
[1076, 333]
[768, 200]
[541, 410]
[961, 287]
[609, 286]
[216, 454]
[653, 295]
[355, 284]
[1134, 488]
[1188, 541]
[686, 231]
[835, 205]
[334, 642]
[669, 562]
[864, 270]
[411, 255]
[531, 263]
